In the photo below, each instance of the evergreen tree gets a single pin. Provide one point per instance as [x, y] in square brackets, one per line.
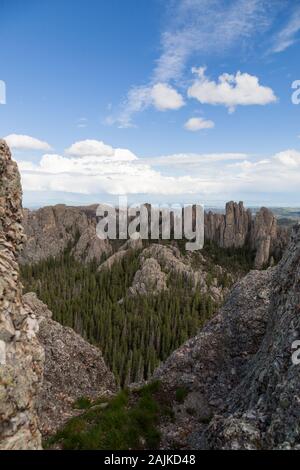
[134, 333]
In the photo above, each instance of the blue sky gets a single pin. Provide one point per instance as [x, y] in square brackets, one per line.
[162, 100]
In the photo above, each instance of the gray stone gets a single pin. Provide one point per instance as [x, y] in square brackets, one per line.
[258, 406]
[238, 228]
[21, 356]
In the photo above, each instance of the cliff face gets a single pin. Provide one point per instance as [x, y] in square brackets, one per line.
[73, 369]
[238, 228]
[240, 367]
[264, 409]
[231, 229]
[51, 229]
[21, 357]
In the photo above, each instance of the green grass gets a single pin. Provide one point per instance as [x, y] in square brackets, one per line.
[130, 421]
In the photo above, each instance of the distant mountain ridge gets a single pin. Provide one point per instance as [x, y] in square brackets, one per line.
[49, 230]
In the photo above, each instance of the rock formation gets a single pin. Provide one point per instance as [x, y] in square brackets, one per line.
[240, 367]
[50, 230]
[73, 369]
[150, 279]
[263, 411]
[238, 228]
[21, 357]
[230, 229]
[159, 264]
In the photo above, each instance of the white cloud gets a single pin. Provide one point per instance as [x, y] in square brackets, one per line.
[241, 89]
[198, 27]
[165, 97]
[138, 98]
[161, 95]
[116, 172]
[288, 35]
[89, 147]
[289, 158]
[218, 176]
[26, 142]
[196, 124]
[88, 175]
[91, 150]
[124, 154]
[190, 160]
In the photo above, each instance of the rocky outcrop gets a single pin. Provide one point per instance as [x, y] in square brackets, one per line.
[73, 369]
[21, 357]
[263, 236]
[263, 411]
[161, 264]
[230, 229]
[240, 366]
[52, 229]
[150, 279]
[237, 228]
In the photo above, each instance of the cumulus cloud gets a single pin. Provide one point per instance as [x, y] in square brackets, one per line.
[198, 27]
[89, 167]
[289, 158]
[196, 124]
[89, 147]
[96, 148]
[165, 97]
[26, 142]
[230, 90]
[202, 176]
[113, 171]
[161, 96]
[88, 175]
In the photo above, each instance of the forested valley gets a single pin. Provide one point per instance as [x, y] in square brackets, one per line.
[134, 333]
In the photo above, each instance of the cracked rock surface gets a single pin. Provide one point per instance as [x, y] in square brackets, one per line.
[21, 356]
[241, 366]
